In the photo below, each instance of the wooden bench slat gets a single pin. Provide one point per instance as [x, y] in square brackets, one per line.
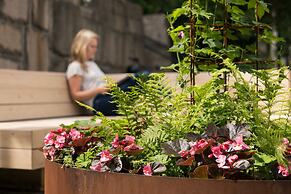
[21, 159]
[36, 111]
[36, 95]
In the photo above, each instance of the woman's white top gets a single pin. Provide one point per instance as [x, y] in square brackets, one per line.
[92, 78]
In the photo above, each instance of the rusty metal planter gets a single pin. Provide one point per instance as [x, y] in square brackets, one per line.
[60, 180]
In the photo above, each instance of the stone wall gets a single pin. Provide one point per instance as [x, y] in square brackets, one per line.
[36, 34]
[156, 42]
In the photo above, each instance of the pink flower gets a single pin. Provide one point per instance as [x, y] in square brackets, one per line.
[105, 156]
[49, 139]
[49, 152]
[97, 167]
[239, 144]
[202, 143]
[193, 148]
[181, 34]
[226, 145]
[75, 134]
[232, 159]
[216, 151]
[115, 142]
[129, 139]
[285, 141]
[147, 170]
[198, 146]
[60, 141]
[184, 153]
[283, 170]
[132, 147]
[221, 161]
[60, 130]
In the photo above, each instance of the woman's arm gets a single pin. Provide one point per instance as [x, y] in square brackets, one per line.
[76, 92]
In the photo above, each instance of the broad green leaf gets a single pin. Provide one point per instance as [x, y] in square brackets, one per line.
[238, 2]
[252, 4]
[178, 12]
[262, 8]
[263, 159]
[237, 10]
[209, 42]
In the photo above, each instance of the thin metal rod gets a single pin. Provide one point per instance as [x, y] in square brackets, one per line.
[257, 43]
[192, 49]
[225, 39]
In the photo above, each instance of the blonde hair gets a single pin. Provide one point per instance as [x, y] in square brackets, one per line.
[80, 44]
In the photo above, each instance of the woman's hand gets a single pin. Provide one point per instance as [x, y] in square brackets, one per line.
[102, 90]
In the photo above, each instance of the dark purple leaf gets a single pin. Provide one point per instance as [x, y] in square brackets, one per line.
[115, 150]
[115, 164]
[214, 131]
[193, 136]
[174, 147]
[241, 164]
[200, 172]
[81, 142]
[185, 162]
[236, 130]
[158, 167]
[133, 150]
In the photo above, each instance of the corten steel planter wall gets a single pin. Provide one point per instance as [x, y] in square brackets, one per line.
[60, 180]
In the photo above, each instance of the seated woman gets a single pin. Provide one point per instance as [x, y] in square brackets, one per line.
[86, 80]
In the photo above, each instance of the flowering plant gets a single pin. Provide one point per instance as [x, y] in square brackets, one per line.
[231, 130]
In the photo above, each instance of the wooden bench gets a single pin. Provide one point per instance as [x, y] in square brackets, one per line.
[31, 104]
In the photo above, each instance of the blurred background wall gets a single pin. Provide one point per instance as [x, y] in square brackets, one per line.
[36, 34]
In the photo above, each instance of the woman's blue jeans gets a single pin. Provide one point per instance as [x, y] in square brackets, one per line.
[103, 102]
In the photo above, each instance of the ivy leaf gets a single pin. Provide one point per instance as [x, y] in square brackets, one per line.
[201, 12]
[177, 48]
[178, 12]
[262, 8]
[236, 10]
[210, 42]
[174, 147]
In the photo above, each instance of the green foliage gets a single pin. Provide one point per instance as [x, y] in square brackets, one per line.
[155, 113]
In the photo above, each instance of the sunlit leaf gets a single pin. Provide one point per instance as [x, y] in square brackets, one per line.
[185, 162]
[200, 172]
